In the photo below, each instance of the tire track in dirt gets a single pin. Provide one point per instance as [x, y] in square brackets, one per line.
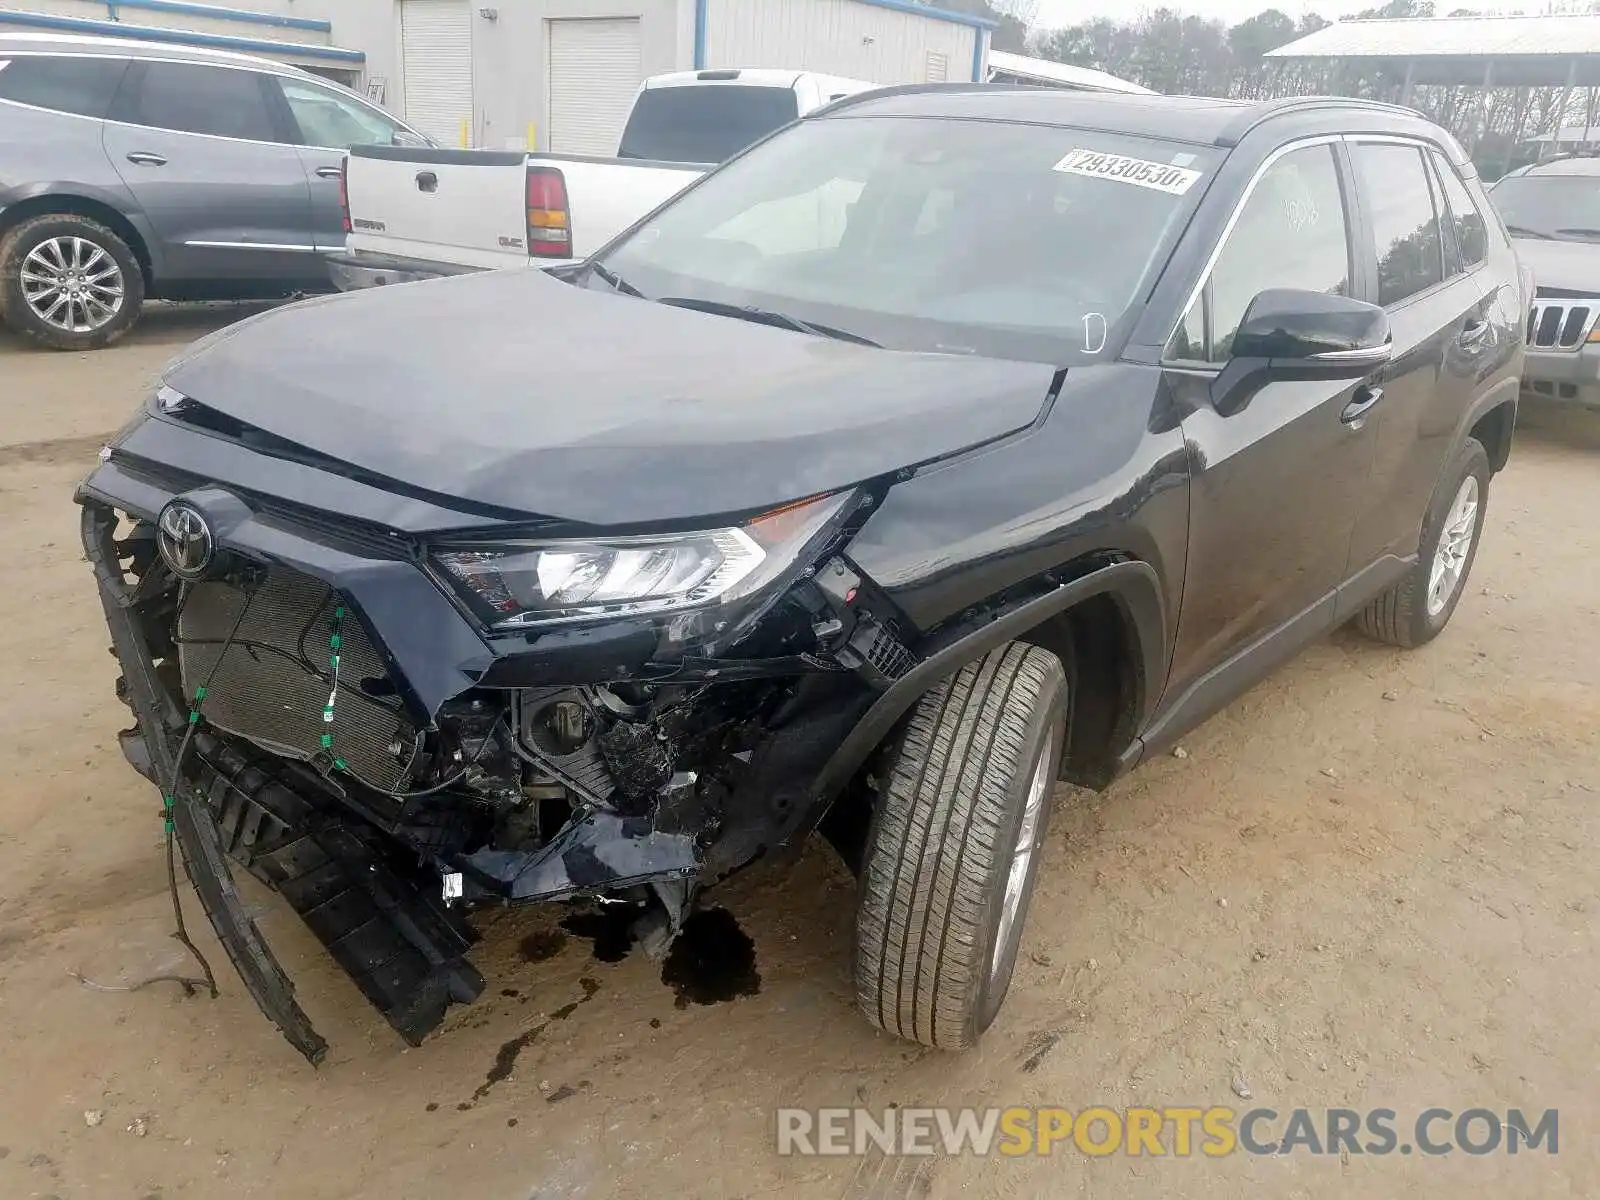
[54, 450]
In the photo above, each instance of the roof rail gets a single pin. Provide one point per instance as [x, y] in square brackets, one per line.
[1267, 110]
[906, 89]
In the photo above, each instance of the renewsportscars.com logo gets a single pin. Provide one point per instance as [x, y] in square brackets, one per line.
[1175, 1132]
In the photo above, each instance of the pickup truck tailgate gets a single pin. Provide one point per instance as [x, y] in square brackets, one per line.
[414, 203]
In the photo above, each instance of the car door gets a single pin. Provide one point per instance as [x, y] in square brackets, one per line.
[1275, 487]
[1438, 316]
[326, 123]
[201, 149]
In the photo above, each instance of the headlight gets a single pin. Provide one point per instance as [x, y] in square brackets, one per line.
[529, 583]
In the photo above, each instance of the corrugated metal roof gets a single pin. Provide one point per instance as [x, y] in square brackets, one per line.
[1446, 37]
[1064, 74]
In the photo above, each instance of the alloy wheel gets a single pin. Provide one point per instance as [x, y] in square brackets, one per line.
[1029, 830]
[72, 284]
[1455, 544]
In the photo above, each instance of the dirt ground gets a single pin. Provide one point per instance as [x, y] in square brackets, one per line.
[1370, 882]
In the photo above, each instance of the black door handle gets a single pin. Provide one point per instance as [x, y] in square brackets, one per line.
[329, 172]
[427, 181]
[144, 158]
[1366, 397]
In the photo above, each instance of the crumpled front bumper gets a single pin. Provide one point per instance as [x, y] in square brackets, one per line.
[389, 929]
[159, 724]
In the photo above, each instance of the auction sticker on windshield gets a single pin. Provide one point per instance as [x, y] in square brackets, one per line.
[1122, 169]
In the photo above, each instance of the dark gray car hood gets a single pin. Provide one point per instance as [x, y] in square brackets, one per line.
[1570, 266]
[513, 389]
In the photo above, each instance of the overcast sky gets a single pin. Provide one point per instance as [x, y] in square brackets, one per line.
[1055, 13]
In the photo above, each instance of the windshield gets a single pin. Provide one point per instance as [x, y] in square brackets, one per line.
[704, 124]
[1563, 207]
[1011, 241]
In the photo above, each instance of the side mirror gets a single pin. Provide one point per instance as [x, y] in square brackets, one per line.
[1291, 334]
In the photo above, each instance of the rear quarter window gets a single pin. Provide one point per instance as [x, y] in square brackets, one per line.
[704, 124]
[1471, 231]
[82, 86]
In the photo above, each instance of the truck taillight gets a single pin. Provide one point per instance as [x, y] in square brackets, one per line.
[549, 226]
[344, 192]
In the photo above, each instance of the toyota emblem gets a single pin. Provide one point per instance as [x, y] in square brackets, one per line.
[185, 540]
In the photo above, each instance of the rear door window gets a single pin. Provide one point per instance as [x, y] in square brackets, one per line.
[83, 86]
[1405, 225]
[704, 124]
[335, 122]
[193, 98]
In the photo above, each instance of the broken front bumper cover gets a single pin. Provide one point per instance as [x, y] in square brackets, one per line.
[159, 724]
[389, 931]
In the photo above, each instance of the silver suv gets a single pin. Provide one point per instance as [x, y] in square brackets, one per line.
[133, 171]
[1552, 211]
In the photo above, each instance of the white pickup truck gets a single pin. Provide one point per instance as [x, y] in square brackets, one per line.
[417, 213]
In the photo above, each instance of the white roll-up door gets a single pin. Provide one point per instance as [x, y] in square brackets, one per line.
[595, 69]
[436, 49]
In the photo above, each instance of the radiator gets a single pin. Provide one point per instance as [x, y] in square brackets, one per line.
[271, 685]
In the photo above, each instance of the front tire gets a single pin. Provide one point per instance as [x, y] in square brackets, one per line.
[1416, 610]
[69, 283]
[953, 847]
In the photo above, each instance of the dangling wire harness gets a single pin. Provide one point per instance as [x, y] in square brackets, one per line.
[168, 793]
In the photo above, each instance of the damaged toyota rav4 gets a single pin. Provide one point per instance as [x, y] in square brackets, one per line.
[951, 442]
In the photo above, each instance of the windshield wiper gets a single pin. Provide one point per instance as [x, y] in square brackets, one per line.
[1578, 231]
[1524, 231]
[617, 282]
[767, 316]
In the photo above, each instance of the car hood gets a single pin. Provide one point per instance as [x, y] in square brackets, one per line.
[515, 390]
[1570, 266]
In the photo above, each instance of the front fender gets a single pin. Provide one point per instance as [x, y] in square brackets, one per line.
[1133, 584]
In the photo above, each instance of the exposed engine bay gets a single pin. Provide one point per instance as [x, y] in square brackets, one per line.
[382, 828]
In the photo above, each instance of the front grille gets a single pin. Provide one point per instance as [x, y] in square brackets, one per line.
[272, 684]
[1561, 324]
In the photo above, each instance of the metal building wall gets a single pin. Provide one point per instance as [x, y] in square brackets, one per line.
[879, 42]
[511, 58]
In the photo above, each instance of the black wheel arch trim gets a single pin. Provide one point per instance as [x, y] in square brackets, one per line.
[28, 196]
[1131, 583]
[1503, 395]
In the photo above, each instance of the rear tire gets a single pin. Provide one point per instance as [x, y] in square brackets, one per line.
[69, 283]
[1416, 610]
[953, 847]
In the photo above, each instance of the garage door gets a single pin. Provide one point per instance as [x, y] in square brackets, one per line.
[595, 68]
[436, 48]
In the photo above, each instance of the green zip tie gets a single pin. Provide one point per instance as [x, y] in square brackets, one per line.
[166, 816]
[335, 642]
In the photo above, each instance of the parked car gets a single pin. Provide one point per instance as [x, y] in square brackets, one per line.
[527, 586]
[133, 171]
[418, 214]
[1553, 212]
